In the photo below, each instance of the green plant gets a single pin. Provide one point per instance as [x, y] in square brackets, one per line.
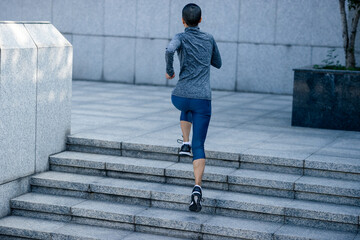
[330, 59]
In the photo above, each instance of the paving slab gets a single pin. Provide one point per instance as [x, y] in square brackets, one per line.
[289, 232]
[147, 128]
[247, 229]
[263, 179]
[64, 180]
[107, 211]
[28, 227]
[336, 187]
[45, 203]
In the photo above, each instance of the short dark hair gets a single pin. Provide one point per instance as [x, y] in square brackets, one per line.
[191, 14]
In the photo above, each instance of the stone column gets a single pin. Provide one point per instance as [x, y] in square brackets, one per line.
[35, 102]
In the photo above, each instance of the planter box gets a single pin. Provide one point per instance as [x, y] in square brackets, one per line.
[326, 99]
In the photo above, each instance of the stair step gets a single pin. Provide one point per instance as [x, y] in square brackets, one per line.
[276, 209]
[223, 178]
[260, 159]
[162, 221]
[33, 228]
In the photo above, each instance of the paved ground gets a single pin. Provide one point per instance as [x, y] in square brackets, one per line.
[241, 122]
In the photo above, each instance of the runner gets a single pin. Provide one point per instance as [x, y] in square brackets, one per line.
[196, 50]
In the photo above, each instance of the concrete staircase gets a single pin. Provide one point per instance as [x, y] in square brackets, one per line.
[115, 190]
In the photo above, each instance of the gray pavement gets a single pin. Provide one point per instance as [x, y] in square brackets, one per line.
[241, 122]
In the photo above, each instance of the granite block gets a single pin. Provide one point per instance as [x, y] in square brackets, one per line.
[53, 109]
[338, 152]
[28, 227]
[263, 179]
[120, 18]
[272, 168]
[144, 236]
[122, 187]
[107, 211]
[249, 215]
[252, 203]
[216, 237]
[103, 223]
[168, 232]
[178, 220]
[90, 149]
[77, 231]
[77, 159]
[328, 186]
[272, 157]
[88, 56]
[328, 29]
[212, 173]
[150, 155]
[213, 162]
[290, 16]
[119, 59]
[227, 13]
[64, 180]
[339, 164]
[45, 36]
[321, 224]
[150, 25]
[272, 65]
[225, 77]
[41, 215]
[62, 15]
[11, 190]
[61, 192]
[240, 228]
[190, 182]
[45, 203]
[136, 176]
[262, 191]
[320, 197]
[150, 50]
[120, 199]
[180, 194]
[11, 10]
[88, 17]
[93, 140]
[180, 206]
[257, 21]
[331, 174]
[298, 232]
[38, 10]
[222, 155]
[149, 148]
[17, 102]
[137, 165]
[323, 211]
[326, 99]
[77, 170]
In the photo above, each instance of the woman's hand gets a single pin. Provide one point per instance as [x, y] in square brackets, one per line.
[168, 77]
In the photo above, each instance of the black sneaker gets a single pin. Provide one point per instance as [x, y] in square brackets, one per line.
[196, 198]
[185, 150]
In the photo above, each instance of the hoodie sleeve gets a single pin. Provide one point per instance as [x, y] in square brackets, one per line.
[174, 45]
[216, 58]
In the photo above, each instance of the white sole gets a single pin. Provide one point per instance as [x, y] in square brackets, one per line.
[185, 153]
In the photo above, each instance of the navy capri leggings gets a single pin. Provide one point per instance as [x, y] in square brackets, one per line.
[198, 112]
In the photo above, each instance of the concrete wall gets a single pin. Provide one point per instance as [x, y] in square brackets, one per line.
[35, 102]
[124, 40]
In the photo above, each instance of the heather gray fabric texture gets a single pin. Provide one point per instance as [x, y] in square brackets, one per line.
[196, 50]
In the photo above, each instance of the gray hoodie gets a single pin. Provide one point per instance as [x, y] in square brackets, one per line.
[196, 50]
